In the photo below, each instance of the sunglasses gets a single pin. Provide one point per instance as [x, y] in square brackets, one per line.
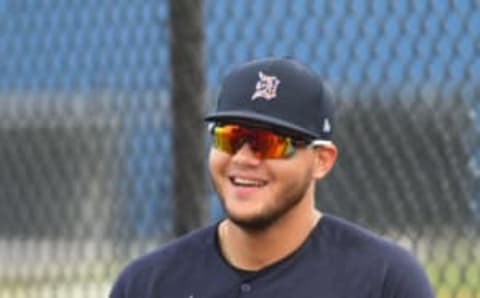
[265, 143]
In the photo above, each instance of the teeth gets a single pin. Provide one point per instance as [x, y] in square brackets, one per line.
[248, 182]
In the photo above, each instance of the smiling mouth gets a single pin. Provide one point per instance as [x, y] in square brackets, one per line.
[247, 182]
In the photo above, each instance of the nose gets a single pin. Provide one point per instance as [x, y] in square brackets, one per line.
[246, 156]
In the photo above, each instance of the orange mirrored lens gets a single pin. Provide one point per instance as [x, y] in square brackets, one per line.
[264, 143]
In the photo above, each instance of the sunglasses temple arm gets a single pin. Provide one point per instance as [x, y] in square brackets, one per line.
[315, 143]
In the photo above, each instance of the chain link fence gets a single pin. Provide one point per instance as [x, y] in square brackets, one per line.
[85, 128]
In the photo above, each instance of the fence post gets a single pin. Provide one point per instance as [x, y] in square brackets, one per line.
[188, 102]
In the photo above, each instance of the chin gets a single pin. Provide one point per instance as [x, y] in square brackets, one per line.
[252, 223]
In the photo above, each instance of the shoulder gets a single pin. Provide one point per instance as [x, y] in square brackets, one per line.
[138, 273]
[399, 270]
[348, 237]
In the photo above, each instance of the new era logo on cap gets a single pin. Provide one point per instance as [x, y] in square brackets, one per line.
[266, 87]
[327, 128]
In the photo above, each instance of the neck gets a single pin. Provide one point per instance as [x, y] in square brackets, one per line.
[254, 250]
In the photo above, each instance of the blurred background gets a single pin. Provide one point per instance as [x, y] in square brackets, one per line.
[102, 146]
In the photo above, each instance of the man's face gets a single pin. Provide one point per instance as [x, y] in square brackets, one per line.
[256, 192]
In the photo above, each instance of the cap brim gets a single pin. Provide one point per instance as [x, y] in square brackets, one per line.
[261, 119]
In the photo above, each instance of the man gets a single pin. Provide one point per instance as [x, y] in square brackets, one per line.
[271, 141]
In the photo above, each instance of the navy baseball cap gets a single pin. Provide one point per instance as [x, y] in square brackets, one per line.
[278, 92]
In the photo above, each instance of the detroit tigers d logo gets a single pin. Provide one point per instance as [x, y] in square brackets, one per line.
[266, 87]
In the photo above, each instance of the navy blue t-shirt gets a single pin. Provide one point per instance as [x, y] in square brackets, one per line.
[338, 260]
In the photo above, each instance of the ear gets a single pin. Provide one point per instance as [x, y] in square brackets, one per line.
[325, 157]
